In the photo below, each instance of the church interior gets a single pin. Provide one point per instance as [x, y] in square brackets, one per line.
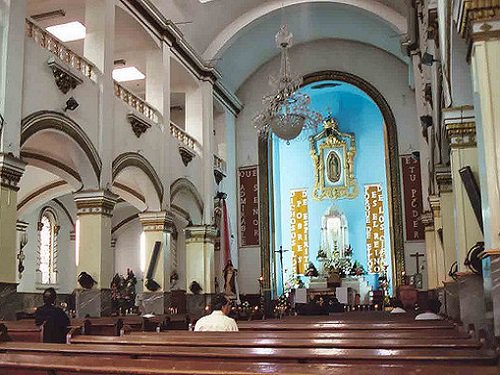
[321, 163]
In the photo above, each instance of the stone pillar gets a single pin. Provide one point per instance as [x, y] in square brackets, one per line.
[94, 254]
[12, 38]
[427, 219]
[158, 94]
[200, 125]
[11, 170]
[479, 23]
[98, 47]
[445, 187]
[200, 266]
[461, 131]
[435, 203]
[157, 227]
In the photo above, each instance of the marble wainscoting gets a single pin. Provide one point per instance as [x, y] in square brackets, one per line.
[93, 302]
[10, 301]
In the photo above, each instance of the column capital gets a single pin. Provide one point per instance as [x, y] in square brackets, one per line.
[201, 233]
[95, 202]
[477, 19]
[427, 220]
[444, 179]
[157, 221]
[11, 171]
[460, 124]
[435, 203]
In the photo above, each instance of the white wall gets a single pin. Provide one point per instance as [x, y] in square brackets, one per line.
[388, 74]
[127, 249]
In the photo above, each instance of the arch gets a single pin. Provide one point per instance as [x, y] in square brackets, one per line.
[60, 123]
[230, 32]
[136, 160]
[184, 185]
[394, 192]
[48, 229]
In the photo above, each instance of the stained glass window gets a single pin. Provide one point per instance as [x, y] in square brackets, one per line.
[48, 247]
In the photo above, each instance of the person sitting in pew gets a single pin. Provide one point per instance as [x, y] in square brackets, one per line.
[218, 319]
[54, 320]
[398, 307]
[431, 310]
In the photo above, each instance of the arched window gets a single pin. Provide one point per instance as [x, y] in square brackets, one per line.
[48, 229]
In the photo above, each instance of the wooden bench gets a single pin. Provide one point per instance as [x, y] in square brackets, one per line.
[299, 355]
[23, 331]
[283, 326]
[28, 364]
[195, 340]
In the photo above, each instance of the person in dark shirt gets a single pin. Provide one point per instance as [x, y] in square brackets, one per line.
[53, 318]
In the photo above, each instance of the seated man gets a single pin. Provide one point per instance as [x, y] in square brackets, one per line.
[217, 320]
[55, 321]
[431, 311]
[398, 307]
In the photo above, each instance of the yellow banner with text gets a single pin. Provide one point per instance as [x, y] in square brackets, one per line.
[299, 223]
[375, 226]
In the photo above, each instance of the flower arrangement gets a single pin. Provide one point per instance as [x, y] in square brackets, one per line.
[341, 266]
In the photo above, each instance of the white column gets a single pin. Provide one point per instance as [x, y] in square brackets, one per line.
[435, 203]
[12, 37]
[461, 131]
[446, 196]
[200, 125]
[430, 249]
[200, 257]
[158, 92]
[99, 49]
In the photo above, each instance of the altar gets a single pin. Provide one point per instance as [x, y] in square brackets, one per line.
[352, 290]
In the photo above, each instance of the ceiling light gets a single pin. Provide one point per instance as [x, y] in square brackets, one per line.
[130, 73]
[68, 32]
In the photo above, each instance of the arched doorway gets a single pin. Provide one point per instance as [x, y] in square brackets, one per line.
[268, 184]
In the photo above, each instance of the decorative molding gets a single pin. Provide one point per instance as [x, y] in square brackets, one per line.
[124, 222]
[65, 80]
[435, 203]
[427, 220]
[11, 171]
[219, 169]
[471, 12]
[489, 253]
[98, 202]
[461, 135]
[21, 226]
[187, 155]
[201, 234]
[157, 221]
[139, 125]
[444, 180]
[219, 175]
[130, 191]
[43, 189]
[183, 184]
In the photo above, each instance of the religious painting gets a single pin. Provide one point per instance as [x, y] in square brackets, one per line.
[333, 155]
[249, 206]
[299, 229]
[412, 188]
[375, 227]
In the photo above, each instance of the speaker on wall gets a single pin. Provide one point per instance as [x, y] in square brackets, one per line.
[472, 189]
[151, 284]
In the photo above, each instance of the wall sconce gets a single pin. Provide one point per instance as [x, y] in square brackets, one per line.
[71, 104]
[23, 241]
[426, 121]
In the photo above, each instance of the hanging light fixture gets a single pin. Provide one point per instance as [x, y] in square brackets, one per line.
[286, 110]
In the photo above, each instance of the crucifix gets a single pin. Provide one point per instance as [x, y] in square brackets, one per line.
[417, 256]
[280, 252]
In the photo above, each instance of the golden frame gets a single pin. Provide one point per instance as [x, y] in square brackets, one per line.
[331, 138]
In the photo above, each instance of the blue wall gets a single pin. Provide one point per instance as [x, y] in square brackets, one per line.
[355, 113]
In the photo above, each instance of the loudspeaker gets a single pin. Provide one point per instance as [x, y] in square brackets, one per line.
[473, 192]
[151, 284]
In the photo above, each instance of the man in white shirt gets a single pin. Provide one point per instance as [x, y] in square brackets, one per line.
[431, 312]
[218, 320]
[398, 307]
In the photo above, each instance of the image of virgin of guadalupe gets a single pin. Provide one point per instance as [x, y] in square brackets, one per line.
[229, 279]
[333, 167]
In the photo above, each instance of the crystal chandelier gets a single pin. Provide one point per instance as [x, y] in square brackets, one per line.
[286, 110]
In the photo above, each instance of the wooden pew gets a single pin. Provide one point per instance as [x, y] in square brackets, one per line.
[283, 326]
[295, 355]
[195, 340]
[360, 334]
[25, 331]
[28, 364]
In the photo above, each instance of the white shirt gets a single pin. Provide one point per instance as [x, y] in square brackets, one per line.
[428, 316]
[217, 321]
[398, 310]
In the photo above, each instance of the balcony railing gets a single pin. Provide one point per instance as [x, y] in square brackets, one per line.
[137, 103]
[220, 163]
[184, 137]
[55, 46]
